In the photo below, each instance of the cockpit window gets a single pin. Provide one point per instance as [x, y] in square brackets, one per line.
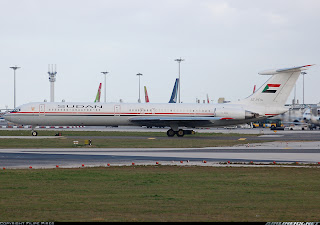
[16, 110]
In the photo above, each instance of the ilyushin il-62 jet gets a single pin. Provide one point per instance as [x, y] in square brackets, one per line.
[267, 101]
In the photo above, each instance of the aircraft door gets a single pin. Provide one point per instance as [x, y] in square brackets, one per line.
[41, 110]
[117, 110]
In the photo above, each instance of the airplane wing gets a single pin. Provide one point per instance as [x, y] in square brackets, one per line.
[188, 121]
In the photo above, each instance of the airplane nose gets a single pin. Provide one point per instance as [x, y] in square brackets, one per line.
[7, 116]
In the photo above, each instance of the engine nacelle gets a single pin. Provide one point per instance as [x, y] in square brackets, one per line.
[235, 113]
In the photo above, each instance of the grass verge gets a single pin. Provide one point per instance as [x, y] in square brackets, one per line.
[120, 143]
[107, 133]
[143, 140]
[160, 194]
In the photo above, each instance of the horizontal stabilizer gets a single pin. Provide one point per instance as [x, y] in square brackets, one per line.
[284, 70]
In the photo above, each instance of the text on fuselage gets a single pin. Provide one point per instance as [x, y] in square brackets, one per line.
[80, 106]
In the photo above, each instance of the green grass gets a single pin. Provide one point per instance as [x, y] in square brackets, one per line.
[119, 143]
[108, 133]
[143, 140]
[160, 193]
[79, 133]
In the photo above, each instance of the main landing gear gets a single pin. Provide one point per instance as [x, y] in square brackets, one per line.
[34, 133]
[179, 133]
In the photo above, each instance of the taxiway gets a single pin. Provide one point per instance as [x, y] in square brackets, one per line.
[284, 147]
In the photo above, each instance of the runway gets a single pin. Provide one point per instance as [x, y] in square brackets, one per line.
[280, 152]
[286, 147]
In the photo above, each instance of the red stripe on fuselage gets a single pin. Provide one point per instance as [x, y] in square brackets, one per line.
[112, 113]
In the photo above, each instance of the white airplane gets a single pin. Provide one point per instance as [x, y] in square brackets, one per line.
[315, 120]
[269, 100]
[312, 117]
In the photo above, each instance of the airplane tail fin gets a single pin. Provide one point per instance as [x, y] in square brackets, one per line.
[173, 98]
[98, 94]
[146, 97]
[277, 89]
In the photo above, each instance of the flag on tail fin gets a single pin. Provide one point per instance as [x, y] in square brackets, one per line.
[271, 88]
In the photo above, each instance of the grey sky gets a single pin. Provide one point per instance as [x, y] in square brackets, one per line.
[224, 43]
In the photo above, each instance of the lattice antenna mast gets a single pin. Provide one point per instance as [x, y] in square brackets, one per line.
[52, 78]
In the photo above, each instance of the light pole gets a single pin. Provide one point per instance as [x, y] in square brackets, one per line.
[139, 74]
[105, 86]
[179, 61]
[14, 85]
[294, 98]
[303, 73]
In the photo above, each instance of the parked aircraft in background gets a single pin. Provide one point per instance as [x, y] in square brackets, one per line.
[98, 94]
[173, 98]
[312, 117]
[268, 101]
[146, 97]
[315, 118]
[293, 117]
[307, 115]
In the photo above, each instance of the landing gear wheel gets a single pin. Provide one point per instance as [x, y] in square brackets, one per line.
[170, 133]
[180, 133]
[34, 133]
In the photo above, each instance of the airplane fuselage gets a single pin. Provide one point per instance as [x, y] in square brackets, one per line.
[120, 114]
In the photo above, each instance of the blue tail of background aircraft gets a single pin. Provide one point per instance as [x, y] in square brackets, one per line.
[173, 98]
